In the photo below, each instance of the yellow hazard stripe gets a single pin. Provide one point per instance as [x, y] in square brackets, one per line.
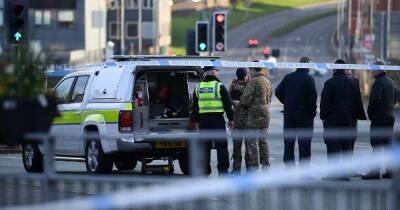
[70, 117]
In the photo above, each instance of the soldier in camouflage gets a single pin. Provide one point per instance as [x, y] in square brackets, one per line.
[240, 116]
[256, 99]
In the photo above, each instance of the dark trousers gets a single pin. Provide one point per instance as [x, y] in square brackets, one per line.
[381, 132]
[337, 145]
[215, 123]
[353, 135]
[303, 131]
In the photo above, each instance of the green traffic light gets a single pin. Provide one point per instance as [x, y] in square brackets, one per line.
[18, 36]
[202, 46]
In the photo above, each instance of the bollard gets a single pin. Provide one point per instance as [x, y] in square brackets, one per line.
[49, 172]
[195, 157]
[395, 195]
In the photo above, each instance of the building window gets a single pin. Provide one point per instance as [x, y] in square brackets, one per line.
[113, 4]
[1, 18]
[38, 17]
[147, 4]
[113, 30]
[98, 19]
[42, 17]
[65, 18]
[131, 4]
[1, 12]
[131, 30]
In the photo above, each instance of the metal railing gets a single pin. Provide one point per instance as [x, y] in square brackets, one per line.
[293, 188]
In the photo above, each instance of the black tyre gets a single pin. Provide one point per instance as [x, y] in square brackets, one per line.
[184, 164]
[123, 165]
[95, 159]
[32, 158]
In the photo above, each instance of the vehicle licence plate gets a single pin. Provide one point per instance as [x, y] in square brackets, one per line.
[170, 145]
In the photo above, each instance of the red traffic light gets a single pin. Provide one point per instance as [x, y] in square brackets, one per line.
[220, 18]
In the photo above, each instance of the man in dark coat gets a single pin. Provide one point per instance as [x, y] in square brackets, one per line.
[381, 113]
[338, 99]
[358, 112]
[297, 93]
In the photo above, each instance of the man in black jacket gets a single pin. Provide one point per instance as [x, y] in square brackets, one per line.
[297, 93]
[338, 99]
[209, 113]
[381, 113]
[358, 112]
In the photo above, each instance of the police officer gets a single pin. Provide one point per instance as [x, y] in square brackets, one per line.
[210, 100]
[256, 99]
[240, 115]
[381, 113]
[298, 94]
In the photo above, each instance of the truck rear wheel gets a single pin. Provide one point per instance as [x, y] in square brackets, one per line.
[125, 164]
[96, 160]
[32, 158]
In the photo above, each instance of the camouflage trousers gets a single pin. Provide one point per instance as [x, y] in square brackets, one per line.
[257, 150]
[237, 155]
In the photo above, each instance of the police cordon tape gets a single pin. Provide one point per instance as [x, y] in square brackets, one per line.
[196, 188]
[246, 64]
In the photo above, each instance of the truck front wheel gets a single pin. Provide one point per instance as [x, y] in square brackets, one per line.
[32, 158]
[96, 160]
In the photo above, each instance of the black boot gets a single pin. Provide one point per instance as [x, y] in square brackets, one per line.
[387, 175]
[371, 175]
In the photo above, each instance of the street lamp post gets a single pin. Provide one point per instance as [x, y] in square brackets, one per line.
[140, 27]
[338, 33]
[122, 26]
[388, 20]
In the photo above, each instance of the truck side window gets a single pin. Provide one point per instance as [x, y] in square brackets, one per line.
[63, 90]
[79, 89]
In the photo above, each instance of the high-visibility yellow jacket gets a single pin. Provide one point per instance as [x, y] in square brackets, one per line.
[209, 96]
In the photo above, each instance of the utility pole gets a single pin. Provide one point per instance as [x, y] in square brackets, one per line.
[140, 26]
[371, 16]
[389, 9]
[339, 27]
[349, 23]
[122, 27]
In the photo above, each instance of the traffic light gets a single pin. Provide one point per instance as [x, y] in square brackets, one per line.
[201, 36]
[17, 16]
[219, 21]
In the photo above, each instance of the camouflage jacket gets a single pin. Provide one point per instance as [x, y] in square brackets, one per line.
[256, 99]
[240, 113]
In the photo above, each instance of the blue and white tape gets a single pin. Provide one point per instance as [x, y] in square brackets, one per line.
[247, 64]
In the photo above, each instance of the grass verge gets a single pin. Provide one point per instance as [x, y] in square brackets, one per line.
[299, 23]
